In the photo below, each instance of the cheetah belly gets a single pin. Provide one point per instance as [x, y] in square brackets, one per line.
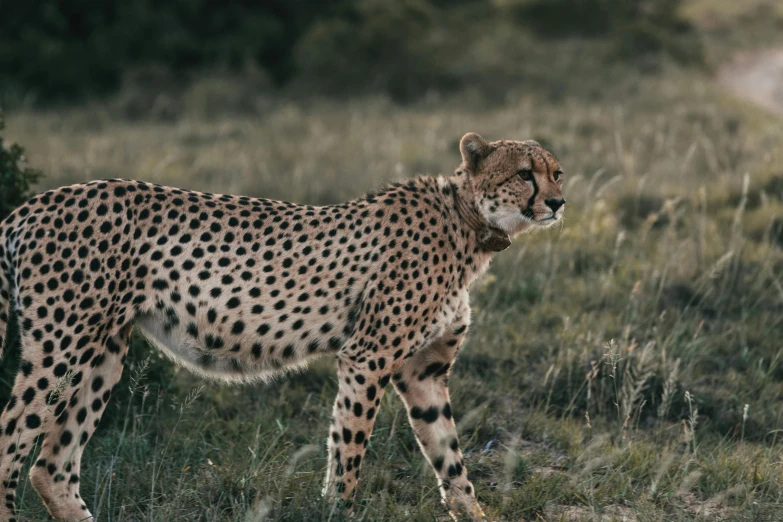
[194, 355]
[214, 351]
[183, 349]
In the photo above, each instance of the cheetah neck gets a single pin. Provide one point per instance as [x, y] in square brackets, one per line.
[488, 237]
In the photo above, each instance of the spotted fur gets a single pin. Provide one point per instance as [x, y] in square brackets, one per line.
[241, 289]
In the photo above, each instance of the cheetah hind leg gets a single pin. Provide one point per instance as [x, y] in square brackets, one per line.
[26, 416]
[56, 474]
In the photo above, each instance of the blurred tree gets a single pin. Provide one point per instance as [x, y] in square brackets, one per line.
[66, 50]
[55, 51]
[636, 28]
[380, 46]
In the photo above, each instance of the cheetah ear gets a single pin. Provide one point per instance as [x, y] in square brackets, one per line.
[473, 148]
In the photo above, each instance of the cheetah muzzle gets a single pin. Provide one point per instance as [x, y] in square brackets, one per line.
[241, 289]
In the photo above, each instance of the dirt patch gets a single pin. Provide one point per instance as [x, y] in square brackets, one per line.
[757, 77]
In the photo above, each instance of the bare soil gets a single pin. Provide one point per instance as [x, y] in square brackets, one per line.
[757, 77]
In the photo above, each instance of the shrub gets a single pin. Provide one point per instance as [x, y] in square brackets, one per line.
[54, 51]
[71, 50]
[381, 46]
[637, 29]
[16, 179]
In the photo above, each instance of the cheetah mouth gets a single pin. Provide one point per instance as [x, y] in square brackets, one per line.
[548, 220]
[531, 217]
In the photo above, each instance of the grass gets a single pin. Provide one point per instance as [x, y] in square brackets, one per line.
[627, 366]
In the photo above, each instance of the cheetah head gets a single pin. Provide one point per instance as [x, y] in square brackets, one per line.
[516, 184]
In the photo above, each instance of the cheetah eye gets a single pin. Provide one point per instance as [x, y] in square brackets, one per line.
[525, 174]
[558, 173]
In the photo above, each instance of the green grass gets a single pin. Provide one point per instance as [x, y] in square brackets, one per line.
[627, 366]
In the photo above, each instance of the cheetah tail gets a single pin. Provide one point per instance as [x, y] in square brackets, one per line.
[5, 294]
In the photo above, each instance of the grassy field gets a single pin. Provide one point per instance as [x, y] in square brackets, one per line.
[626, 366]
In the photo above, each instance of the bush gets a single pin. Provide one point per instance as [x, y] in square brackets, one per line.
[72, 50]
[637, 29]
[54, 51]
[382, 46]
[16, 179]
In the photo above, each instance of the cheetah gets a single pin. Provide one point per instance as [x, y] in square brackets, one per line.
[240, 289]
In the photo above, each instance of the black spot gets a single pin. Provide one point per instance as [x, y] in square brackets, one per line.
[238, 328]
[256, 350]
[66, 438]
[429, 415]
[10, 427]
[435, 370]
[447, 411]
[86, 356]
[32, 421]
[28, 395]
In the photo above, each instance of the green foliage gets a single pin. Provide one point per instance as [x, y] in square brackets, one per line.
[16, 180]
[382, 47]
[54, 51]
[635, 28]
[66, 50]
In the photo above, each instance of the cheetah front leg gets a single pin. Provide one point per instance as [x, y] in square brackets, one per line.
[361, 387]
[421, 381]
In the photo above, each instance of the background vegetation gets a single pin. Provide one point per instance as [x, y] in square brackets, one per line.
[53, 51]
[627, 366]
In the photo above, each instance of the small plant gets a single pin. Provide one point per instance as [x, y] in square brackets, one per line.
[16, 177]
[689, 424]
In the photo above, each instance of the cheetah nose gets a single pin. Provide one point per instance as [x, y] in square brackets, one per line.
[555, 204]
